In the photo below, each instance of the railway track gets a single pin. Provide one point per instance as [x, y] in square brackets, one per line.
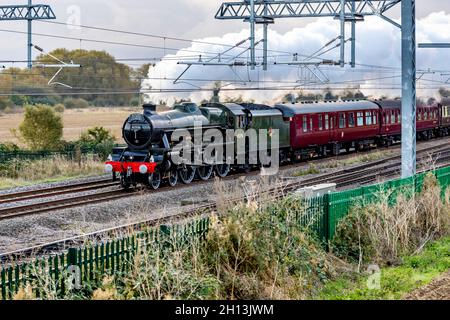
[56, 191]
[366, 173]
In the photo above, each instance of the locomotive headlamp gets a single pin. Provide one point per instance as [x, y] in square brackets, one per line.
[108, 168]
[143, 169]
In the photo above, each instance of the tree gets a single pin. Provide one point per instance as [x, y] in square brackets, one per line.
[99, 72]
[351, 94]
[41, 128]
[328, 95]
[99, 139]
[96, 135]
[142, 72]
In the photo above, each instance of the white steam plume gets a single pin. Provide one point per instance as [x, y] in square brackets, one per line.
[378, 43]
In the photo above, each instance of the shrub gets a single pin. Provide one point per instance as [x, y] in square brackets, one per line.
[384, 232]
[134, 102]
[42, 128]
[59, 108]
[8, 110]
[99, 139]
[72, 103]
[253, 251]
[9, 147]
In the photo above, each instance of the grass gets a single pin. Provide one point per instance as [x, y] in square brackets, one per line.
[395, 282]
[21, 173]
[257, 250]
[312, 169]
[337, 163]
[76, 121]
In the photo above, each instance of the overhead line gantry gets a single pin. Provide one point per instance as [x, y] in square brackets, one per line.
[28, 12]
[266, 11]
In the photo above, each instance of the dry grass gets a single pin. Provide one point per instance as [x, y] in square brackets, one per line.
[75, 122]
[56, 168]
[386, 232]
[253, 250]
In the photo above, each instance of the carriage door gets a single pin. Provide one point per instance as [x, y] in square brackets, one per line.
[332, 125]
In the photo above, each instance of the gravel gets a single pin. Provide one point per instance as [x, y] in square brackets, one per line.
[52, 184]
[24, 232]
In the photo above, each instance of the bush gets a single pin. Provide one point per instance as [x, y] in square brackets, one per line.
[59, 108]
[42, 128]
[8, 110]
[99, 139]
[253, 251]
[134, 102]
[383, 232]
[9, 147]
[72, 103]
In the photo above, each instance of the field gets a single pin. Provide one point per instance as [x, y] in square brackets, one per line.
[75, 122]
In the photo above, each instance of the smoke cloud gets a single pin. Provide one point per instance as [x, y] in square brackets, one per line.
[378, 43]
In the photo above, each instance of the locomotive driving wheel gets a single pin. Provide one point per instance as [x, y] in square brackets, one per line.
[205, 172]
[124, 183]
[222, 170]
[187, 174]
[173, 178]
[154, 180]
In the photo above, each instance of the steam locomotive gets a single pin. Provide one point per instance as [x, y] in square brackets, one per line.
[305, 130]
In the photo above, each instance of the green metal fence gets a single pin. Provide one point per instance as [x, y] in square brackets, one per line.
[321, 215]
[92, 262]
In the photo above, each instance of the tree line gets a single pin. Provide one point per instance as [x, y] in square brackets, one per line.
[99, 72]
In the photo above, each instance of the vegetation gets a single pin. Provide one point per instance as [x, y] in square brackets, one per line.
[99, 139]
[252, 251]
[256, 250]
[17, 172]
[100, 72]
[327, 94]
[413, 272]
[312, 169]
[41, 128]
[381, 232]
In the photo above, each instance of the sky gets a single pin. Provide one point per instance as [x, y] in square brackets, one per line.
[377, 42]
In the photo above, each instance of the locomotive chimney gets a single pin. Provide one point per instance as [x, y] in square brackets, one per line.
[149, 108]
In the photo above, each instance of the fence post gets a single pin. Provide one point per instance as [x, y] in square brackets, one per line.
[73, 270]
[326, 219]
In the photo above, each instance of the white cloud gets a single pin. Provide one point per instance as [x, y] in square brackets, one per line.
[378, 43]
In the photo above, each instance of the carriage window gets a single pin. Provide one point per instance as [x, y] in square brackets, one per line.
[351, 119]
[327, 122]
[305, 124]
[393, 117]
[311, 127]
[320, 122]
[368, 118]
[425, 115]
[342, 120]
[360, 120]
[419, 114]
[375, 118]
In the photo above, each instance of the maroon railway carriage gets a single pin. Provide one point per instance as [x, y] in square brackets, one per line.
[391, 128]
[322, 127]
[444, 116]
